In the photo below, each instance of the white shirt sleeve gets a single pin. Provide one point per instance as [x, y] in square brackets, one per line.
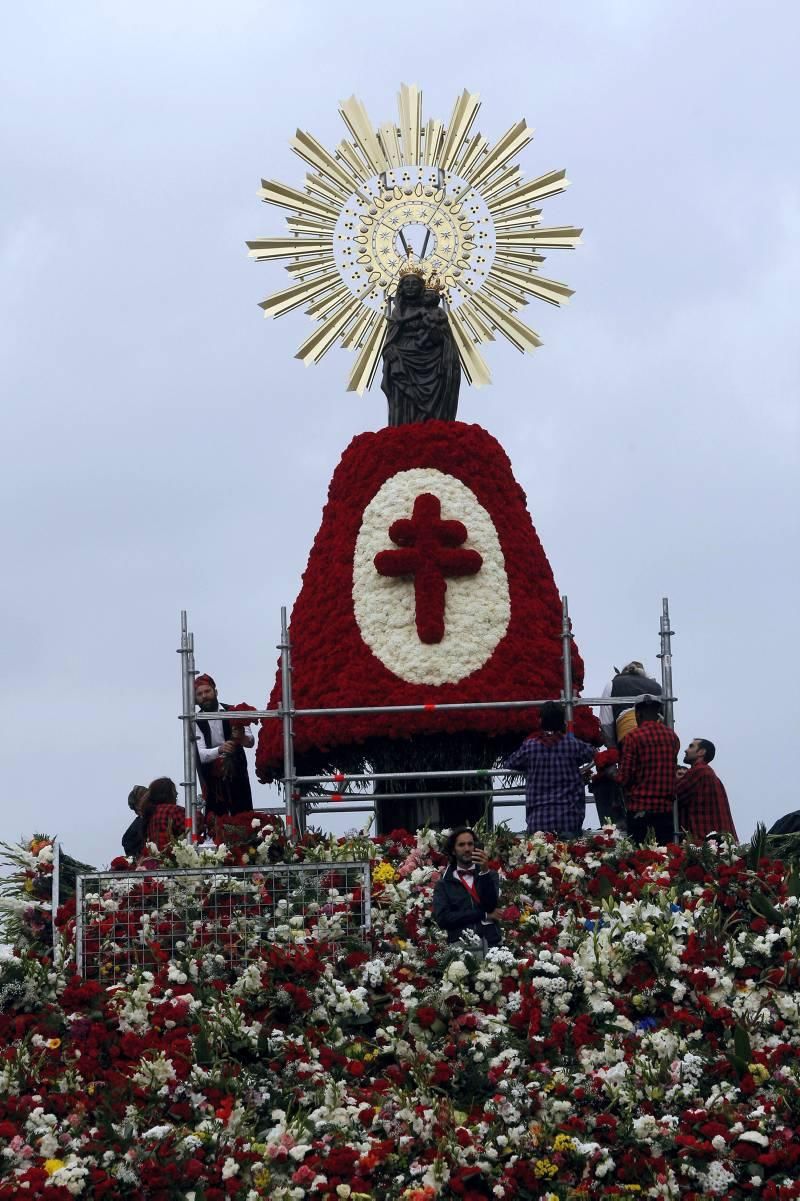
[206, 754]
[607, 720]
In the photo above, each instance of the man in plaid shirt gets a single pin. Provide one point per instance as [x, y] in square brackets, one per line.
[647, 774]
[702, 799]
[554, 789]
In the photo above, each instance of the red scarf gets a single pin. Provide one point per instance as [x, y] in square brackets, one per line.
[469, 887]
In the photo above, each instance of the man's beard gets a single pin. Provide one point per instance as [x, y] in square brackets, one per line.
[209, 706]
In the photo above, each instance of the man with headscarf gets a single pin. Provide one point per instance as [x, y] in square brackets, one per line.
[619, 720]
[221, 760]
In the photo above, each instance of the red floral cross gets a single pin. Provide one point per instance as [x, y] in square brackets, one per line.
[431, 552]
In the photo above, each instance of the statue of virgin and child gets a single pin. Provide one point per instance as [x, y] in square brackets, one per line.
[421, 367]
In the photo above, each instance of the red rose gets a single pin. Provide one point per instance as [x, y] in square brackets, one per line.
[426, 1016]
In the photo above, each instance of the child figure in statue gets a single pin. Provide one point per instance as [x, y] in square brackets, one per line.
[421, 368]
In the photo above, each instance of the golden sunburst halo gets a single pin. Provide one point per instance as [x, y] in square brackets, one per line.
[415, 190]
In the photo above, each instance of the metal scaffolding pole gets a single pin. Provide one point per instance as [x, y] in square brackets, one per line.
[365, 777]
[55, 899]
[591, 702]
[519, 804]
[666, 664]
[335, 797]
[566, 653]
[189, 782]
[197, 804]
[295, 814]
[666, 689]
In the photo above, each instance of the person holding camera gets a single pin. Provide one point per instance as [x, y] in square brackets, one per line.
[466, 897]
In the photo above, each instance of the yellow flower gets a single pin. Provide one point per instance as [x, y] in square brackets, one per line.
[384, 873]
[261, 1176]
[29, 884]
[53, 1165]
[562, 1142]
[759, 1072]
[53, 1043]
[545, 1168]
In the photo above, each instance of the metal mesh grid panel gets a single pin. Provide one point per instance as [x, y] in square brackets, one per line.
[143, 919]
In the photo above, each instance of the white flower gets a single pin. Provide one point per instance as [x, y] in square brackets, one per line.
[718, 1178]
[300, 1151]
[754, 1136]
[154, 1073]
[456, 971]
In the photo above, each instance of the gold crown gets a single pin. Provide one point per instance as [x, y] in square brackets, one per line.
[411, 268]
[434, 284]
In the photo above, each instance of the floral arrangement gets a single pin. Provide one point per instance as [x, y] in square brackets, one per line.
[474, 618]
[636, 1035]
[26, 889]
[241, 723]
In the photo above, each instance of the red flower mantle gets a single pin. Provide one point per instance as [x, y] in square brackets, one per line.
[333, 666]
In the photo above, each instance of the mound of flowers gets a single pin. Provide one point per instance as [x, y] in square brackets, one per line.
[636, 1035]
[426, 584]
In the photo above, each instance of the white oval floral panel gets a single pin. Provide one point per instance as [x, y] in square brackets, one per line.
[477, 607]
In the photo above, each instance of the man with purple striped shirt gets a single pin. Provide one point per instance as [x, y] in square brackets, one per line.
[554, 788]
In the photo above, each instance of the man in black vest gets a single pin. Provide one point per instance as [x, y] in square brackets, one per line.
[466, 897]
[221, 760]
[619, 720]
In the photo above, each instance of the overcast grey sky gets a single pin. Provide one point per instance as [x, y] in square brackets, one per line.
[163, 448]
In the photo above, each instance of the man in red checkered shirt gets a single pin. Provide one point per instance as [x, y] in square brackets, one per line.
[702, 799]
[647, 774]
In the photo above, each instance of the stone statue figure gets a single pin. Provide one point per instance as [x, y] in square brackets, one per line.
[421, 368]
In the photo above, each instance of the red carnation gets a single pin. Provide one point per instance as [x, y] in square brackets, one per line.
[239, 723]
[426, 1016]
[604, 759]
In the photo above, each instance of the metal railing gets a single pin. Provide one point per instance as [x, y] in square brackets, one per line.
[296, 804]
[143, 919]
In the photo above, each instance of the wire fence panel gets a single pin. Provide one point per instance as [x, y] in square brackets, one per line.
[142, 919]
